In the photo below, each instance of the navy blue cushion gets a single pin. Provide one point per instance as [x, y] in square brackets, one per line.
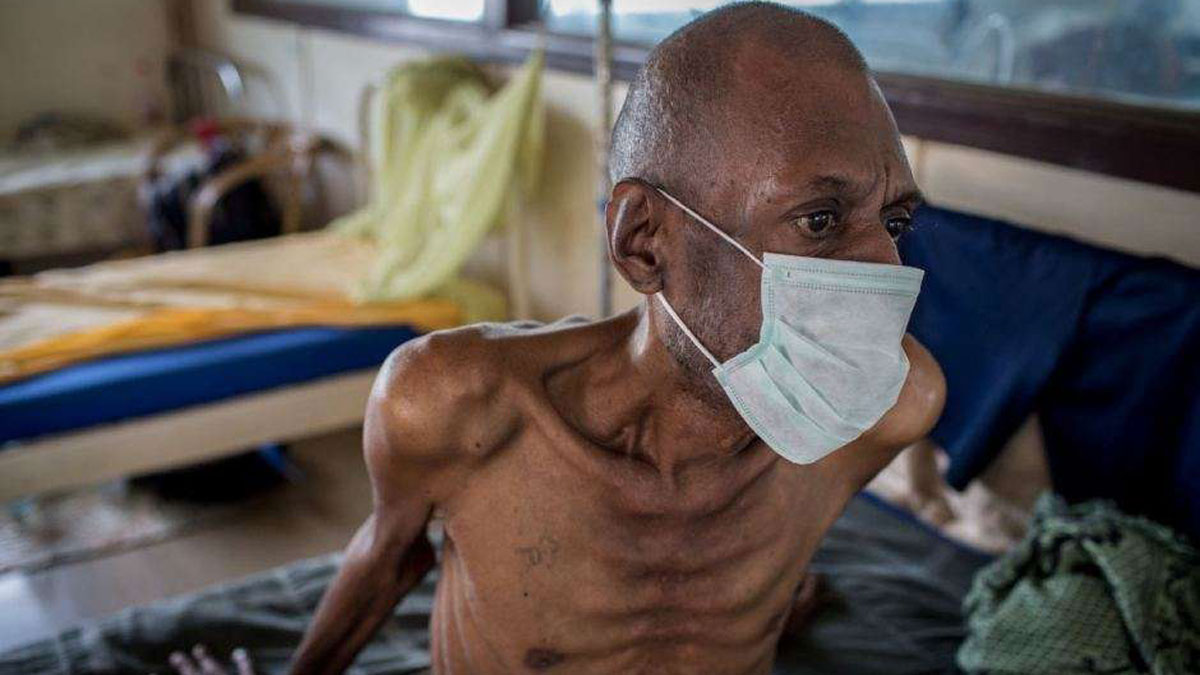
[1104, 346]
[150, 382]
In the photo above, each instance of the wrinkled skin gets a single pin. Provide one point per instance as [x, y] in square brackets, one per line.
[605, 509]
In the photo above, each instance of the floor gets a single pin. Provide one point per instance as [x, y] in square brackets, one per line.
[295, 521]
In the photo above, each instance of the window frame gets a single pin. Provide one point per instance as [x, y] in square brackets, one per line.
[1154, 145]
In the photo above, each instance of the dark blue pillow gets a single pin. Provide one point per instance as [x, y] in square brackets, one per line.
[1104, 346]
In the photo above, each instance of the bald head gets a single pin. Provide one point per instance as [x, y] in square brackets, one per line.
[696, 85]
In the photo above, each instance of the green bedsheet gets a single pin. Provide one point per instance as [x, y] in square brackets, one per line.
[1089, 590]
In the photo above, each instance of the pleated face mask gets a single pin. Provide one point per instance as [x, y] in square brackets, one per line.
[828, 362]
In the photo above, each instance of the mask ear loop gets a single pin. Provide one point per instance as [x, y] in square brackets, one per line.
[683, 327]
[720, 233]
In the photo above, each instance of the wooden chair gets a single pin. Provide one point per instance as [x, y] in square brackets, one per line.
[279, 155]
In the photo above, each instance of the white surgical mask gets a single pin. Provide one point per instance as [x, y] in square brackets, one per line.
[828, 362]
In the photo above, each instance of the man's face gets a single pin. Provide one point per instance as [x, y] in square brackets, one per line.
[813, 166]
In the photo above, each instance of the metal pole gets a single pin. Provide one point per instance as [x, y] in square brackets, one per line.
[603, 59]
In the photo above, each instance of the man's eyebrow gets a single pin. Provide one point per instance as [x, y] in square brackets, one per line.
[833, 183]
[913, 198]
[846, 185]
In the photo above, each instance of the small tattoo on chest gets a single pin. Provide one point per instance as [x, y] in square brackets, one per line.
[541, 554]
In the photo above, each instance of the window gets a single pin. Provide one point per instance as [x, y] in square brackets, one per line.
[451, 10]
[454, 10]
[1142, 52]
[1108, 86]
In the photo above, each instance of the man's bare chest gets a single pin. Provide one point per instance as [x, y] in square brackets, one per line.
[589, 560]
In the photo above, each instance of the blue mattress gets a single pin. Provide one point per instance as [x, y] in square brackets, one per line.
[157, 381]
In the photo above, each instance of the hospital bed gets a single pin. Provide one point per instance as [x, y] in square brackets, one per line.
[148, 411]
[70, 189]
[140, 412]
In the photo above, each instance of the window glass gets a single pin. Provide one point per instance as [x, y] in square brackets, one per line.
[1145, 51]
[453, 10]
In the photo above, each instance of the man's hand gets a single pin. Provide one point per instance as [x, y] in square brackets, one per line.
[205, 664]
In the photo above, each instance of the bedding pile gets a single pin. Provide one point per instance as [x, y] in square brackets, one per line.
[59, 318]
[1089, 590]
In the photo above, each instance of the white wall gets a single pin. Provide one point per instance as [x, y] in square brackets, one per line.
[322, 73]
[1116, 213]
[102, 58]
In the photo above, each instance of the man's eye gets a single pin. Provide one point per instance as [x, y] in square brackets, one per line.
[817, 224]
[898, 226]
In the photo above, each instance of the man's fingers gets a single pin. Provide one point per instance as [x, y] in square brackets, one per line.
[242, 660]
[183, 665]
[205, 664]
[208, 665]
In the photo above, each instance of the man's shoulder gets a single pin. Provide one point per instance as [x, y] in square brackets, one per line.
[469, 361]
[922, 398]
[912, 417]
[920, 402]
[454, 364]
[448, 388]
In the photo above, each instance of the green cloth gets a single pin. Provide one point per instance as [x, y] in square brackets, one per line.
[448, 157]
[1089, 590]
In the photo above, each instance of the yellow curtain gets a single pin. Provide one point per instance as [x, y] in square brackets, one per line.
[447, 156]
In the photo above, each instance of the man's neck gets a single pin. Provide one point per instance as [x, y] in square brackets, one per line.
[667, 414]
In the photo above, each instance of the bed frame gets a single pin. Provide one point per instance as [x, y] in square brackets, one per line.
[157, 442]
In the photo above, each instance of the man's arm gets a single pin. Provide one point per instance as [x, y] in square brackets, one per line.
[421, 407]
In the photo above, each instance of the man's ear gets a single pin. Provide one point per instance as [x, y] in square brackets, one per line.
[633, 218]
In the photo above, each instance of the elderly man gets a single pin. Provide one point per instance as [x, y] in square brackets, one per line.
[642, 494]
